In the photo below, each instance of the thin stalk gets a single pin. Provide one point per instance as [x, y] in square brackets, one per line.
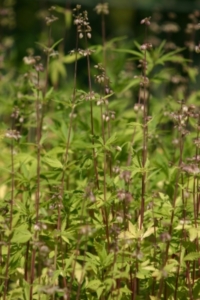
[144, 152]
[154, 252]
[195, 193]
[66, 157]
[26, 261]
[181, 242]
[79, 236]
[85, 29]
[46, 81]
[47, 62]
[91, 119]
[37, 194]
[103, 128]
[82, 275]
[181, 144]
[189, 280]
[1, 263]
[145, 130]
[104, 211]
[11, 216]
[134, 281]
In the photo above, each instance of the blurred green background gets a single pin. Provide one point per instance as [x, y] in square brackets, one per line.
[23, 20]
[22, 25]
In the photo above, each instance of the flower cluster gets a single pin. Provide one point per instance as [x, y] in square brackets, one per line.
[108, 115]
[13, 134]
[102, 78]
[102, 8]
[146, 46]
[81, 21]
[144, 80]
[191, 169]
[31, 60]
[124, 196]
[88, 96]
[50, 20]
[146, 21]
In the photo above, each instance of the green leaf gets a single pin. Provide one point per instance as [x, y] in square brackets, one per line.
[79, 272]
[53, 162]
[98, 247]
[65, 132]
[64, 238]
[49, 93]
[23, 158]
[132, 83]
[56, 70]
[56, 43]
[26, 289]
[111, 140]
[55, 151]
[94, 284]
[193, 233]
[21, 236]
[171, 56]
[126, 235]
[149, 231]
[137, 54]
[70, 58]
[100, 291]
[192, 256]
[47, 48]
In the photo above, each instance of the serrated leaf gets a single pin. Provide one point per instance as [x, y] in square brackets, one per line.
[132, 229]
[98, 247]
[79, 272]
[192, 256]
[126, 235]
[23, 158]
[100, 291]
[54, 163]
[49, 93]
[93, 284]
[149, 231]
[64, 238]
[63, 226]
[55, 151]
[193, 233]
[149, 268]
[26, 289]
[21, 236]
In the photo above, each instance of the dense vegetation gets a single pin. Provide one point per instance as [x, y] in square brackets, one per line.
[100, 193]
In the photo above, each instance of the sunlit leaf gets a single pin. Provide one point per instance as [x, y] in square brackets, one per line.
[21, 236]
